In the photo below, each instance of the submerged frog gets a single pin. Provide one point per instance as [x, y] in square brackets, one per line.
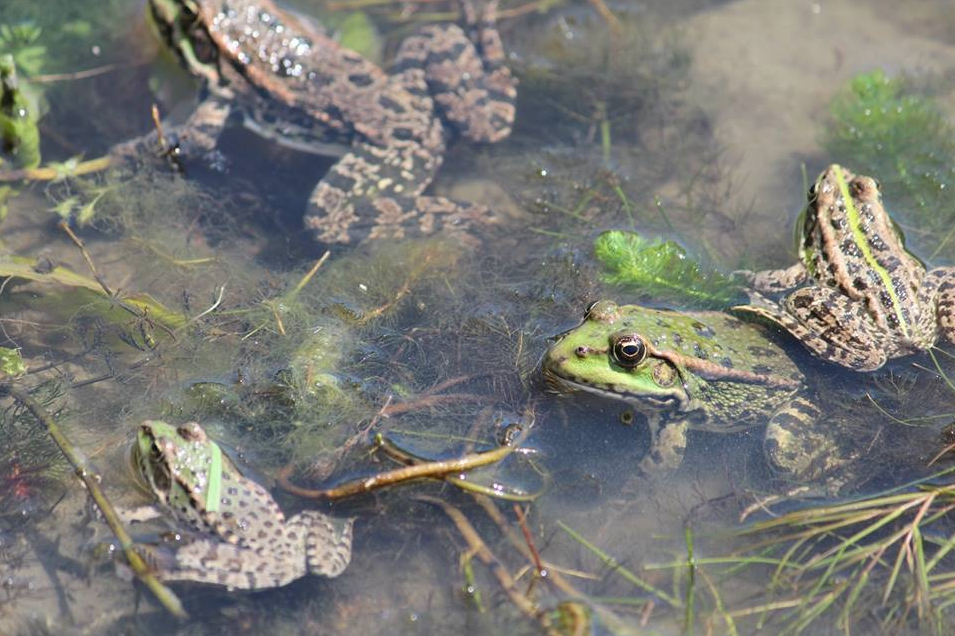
[235, 533]
[290, 82]
[704, 370]
[856, 297]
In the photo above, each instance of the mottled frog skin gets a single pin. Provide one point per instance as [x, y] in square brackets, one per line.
[699, 370]
[856, 297]
[233, 532]
[290, 82]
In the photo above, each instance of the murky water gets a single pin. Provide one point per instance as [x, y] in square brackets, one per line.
[691, 121]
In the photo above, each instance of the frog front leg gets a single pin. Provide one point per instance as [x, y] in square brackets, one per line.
[196, 137]
[938, 288]
[667, 445]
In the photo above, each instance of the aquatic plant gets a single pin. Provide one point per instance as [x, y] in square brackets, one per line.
[19, 112]
[31, 468]
[883, 127]
[661, 270]
[20, 41]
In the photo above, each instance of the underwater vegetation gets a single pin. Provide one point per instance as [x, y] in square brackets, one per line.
[661, 270]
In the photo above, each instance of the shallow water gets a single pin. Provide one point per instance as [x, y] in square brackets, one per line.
[695, 122]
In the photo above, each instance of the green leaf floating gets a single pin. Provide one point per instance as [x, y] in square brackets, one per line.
[661, 270]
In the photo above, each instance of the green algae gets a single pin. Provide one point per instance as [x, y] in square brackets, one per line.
[661, 270]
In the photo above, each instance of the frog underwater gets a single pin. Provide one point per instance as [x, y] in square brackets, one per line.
[233, 532]
[288, 81]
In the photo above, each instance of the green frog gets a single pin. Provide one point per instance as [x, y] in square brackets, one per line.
[288, 81]
[856, 297]
[233, 532]
[699, 370]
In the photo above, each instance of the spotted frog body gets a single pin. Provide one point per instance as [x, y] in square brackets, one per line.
[856, 297]
[693, 370]
[233, 532]
[288, 81]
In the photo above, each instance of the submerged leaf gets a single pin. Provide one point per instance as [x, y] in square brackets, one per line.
[40, 271]
[660, 269]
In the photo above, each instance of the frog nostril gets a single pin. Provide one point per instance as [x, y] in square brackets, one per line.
[582, 351]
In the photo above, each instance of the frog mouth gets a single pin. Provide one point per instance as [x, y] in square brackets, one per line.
[662, 401]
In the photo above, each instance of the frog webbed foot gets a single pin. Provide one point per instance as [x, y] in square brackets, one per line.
[327, 541]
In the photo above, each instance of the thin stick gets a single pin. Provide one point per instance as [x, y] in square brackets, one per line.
[529, 539]
[89, 261]
[85, 472]
[53, 173]
[398, 475]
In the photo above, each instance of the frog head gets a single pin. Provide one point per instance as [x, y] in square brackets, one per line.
[180, 465]
[179, 24]
[604, 356]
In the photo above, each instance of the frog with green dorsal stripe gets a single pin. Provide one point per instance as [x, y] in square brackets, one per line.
[856, 297]
[232, 531]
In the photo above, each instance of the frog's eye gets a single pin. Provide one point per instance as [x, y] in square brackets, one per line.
[590, 308]
[628, 350]
[812, 191]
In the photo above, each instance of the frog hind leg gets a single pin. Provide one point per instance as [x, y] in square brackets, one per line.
[939, 284]
[373, 192]
[801, 446]
[327, 541]
[826, 322]
[465, 73]
[204, 560]
[774, 281]
[667, 446]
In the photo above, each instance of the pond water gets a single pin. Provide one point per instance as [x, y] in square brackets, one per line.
[198, 296]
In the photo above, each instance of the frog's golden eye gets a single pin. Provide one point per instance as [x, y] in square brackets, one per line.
[628, 350]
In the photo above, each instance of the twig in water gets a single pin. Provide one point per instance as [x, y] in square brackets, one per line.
[480, 549]
[85, 472]
[407, 473]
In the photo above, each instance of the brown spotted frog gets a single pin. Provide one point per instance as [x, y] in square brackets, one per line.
[288, 81]
[232, 532]
[856, 297]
